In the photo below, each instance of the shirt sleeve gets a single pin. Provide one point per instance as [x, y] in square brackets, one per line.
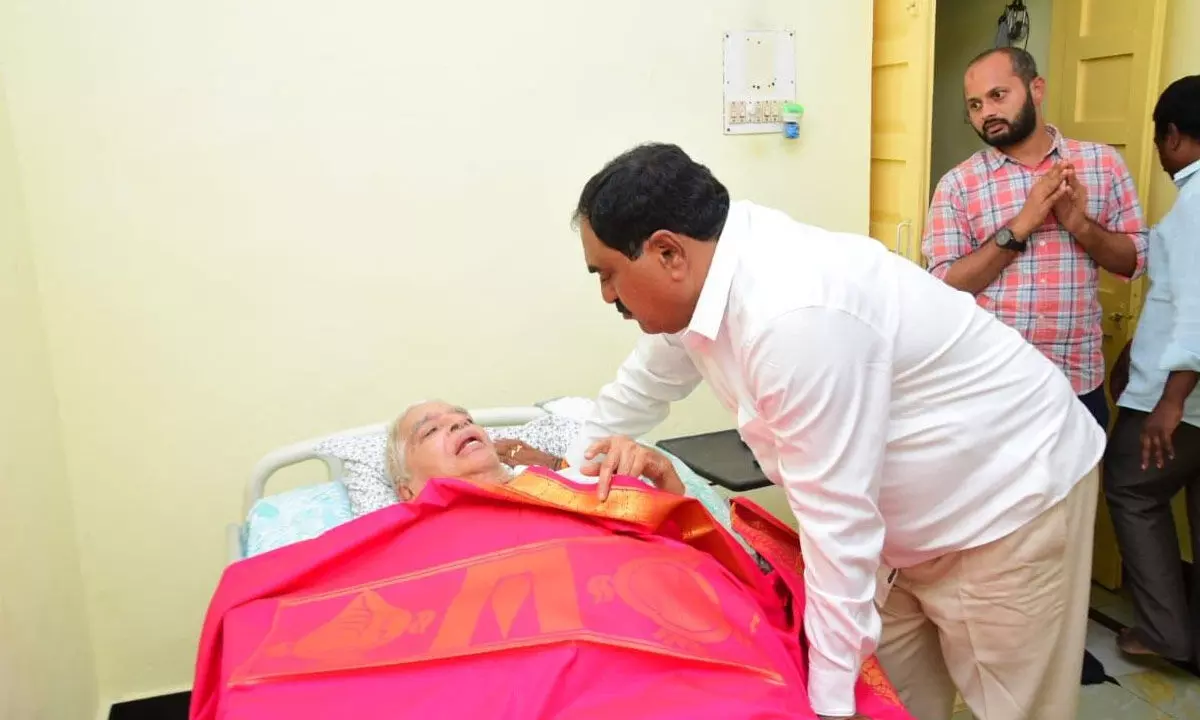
[1125, 212]
[1183, 267]
[657, 373]
[947, 236]
[828, 410]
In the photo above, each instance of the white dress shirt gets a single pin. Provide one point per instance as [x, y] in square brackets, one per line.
[902, 420]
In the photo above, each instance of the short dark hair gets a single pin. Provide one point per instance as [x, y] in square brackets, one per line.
[1179, 105]
[1023, 64]
[650, 188]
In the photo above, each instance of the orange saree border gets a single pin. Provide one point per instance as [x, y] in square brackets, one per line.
[641, 505]
[780, 545]
[776, 542]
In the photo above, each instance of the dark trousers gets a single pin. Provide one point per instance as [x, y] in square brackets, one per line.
[1097, 405]
[1140, 503]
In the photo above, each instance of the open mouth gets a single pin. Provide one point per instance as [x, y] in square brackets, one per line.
[469, 443]
[995, 126]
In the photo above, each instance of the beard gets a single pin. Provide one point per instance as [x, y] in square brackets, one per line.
[1015, 131]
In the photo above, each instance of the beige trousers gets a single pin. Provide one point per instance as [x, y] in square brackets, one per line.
[1004, 623]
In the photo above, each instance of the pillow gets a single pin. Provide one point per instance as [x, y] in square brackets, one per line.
[550, 433]
[576, 408]
[363, 475]
[296, 515]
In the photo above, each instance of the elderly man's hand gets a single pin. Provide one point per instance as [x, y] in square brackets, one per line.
[515, 452]
[625, 456]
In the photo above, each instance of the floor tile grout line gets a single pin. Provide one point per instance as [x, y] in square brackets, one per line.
[1155, 708]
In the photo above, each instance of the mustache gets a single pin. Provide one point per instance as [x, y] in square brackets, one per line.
[622, 309]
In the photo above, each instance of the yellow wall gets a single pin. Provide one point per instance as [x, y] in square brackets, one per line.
[966, 28]
[1181, 56]
[46, 669]
[255, 222]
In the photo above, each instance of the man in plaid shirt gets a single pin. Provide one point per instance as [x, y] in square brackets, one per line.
[1026, 224]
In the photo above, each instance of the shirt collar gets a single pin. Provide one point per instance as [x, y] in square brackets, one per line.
[995, 158]
[1183, 176]
[714, 295]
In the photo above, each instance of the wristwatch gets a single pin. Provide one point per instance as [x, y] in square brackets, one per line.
[1006, 239]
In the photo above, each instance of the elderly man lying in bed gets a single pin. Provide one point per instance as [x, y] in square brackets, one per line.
[437, 439]
[620, 456]
[518, 594]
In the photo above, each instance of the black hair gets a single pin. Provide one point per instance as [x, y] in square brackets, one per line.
[650, 188]
[1023, 64]
[1179, 105]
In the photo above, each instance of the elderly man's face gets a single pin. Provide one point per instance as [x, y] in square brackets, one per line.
[442, 440]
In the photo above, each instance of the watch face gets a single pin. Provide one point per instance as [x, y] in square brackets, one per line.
[1005, 238]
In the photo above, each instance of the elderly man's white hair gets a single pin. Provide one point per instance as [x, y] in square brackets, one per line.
[396, 449]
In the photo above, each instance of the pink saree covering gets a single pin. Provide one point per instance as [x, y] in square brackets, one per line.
[530, 601]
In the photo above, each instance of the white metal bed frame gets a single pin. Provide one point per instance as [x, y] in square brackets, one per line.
[304, 451]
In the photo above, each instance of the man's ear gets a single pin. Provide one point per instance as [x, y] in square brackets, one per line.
[666, 247]
[1037, 87]
[1174, 138]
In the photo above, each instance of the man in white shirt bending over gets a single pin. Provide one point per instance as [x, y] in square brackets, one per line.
[909, 428]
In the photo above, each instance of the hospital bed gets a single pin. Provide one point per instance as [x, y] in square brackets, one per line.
[236, 627]
[308, 450]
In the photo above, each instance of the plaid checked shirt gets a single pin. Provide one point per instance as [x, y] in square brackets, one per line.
[1050, 292]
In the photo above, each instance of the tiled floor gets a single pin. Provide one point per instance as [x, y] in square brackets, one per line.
[1149, 690]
